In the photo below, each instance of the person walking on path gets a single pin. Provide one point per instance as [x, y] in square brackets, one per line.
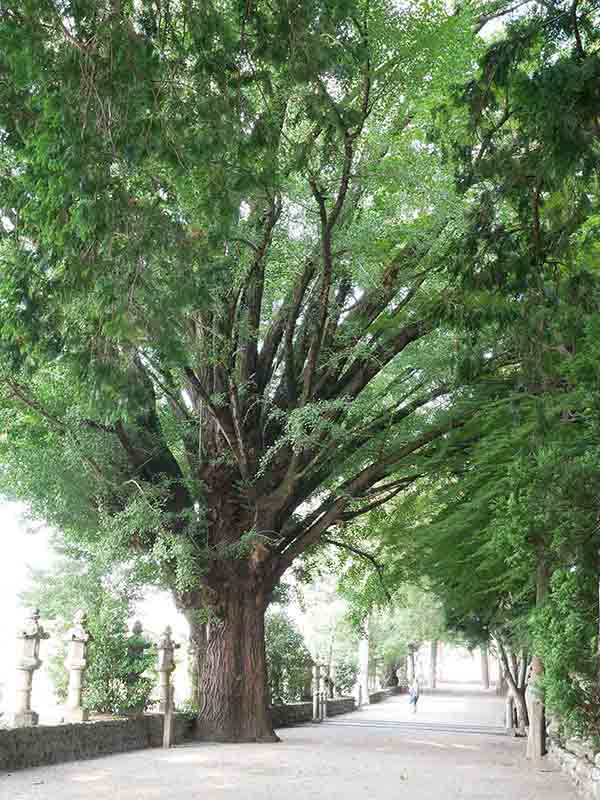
[413, 697]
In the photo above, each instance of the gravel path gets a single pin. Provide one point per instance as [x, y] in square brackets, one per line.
[379, 753]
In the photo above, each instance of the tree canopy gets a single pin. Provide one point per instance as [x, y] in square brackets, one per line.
[245, 299]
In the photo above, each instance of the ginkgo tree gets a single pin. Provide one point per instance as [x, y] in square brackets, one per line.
[222, 266]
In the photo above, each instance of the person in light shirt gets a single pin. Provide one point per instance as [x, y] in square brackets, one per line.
[413, 695]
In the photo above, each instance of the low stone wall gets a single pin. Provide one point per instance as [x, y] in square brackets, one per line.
[341, 705]
[383, 694]
[297, 713]
[51, 744]
[291, 714]
[579, 761]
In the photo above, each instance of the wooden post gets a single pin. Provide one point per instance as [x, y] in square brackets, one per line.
[166, 665]
[363, 667]
[316, 690]
[485, 666]
[323, 693]
[168, 732]
[433, 664]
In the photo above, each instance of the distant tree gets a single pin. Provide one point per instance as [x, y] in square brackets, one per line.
[288, 660]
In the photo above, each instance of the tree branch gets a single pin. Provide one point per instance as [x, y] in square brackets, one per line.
[362, 554]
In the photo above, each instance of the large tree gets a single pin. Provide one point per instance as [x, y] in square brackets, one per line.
[222, 268]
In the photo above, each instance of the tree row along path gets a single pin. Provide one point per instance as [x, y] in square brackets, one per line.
[452, 748]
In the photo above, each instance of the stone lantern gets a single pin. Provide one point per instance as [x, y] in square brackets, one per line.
[28, 660]
[77, 640]
[166, 665]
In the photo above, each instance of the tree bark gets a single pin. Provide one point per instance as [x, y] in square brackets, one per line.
[513, 688]
[536, 739]
[234, 693]
[391, 677]
[197, 652]
[433, 664]
[485, 666]
[502, 687]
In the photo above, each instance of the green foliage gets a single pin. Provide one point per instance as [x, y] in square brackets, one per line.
[288, 661]
[566, 634]
[120, 678]
[244, 301]
[346, 673]
[167, 272]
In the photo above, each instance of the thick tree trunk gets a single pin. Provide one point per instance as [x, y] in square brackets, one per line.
[234, 694]
[433, 664]
[485, 666]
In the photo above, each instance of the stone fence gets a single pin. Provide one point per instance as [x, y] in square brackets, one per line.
[295, 713]
[51, 744]
[580, 761]
[383, 694]
[27, 744]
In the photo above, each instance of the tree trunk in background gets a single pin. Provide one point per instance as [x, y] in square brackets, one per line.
[502, 687]
[517, 695]
[197, 652]
[433, 664]
[536, 740]
[331, 666]
[391, 678]
[363, 667]
[234, 695]
[411, 666]
[485, 666]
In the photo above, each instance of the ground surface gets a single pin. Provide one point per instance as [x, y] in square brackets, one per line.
[452, 748]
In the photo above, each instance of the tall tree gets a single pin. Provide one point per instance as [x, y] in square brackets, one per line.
[223, 239]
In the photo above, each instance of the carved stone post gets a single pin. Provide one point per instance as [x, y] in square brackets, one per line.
[76, 663]
[323, 693]
[316, 689]
[28, 660]
[166, 665]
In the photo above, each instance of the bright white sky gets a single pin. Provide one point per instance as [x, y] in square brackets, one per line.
[20, 550]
